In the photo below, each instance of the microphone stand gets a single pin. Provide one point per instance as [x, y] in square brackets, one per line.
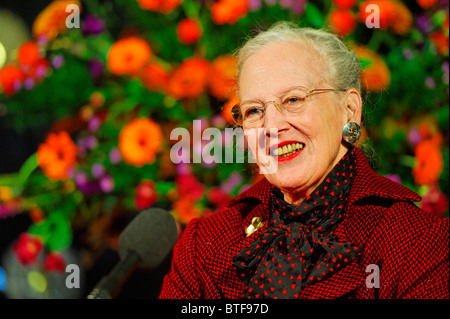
[109, 284]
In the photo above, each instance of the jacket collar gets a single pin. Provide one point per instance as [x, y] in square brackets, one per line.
[366, 183]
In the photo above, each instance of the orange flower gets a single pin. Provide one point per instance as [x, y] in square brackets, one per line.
[226, 109]
[402, 21]
[163, 6]
[223, 77]
[342, 21]
[128, 55]
[155, 77]
[228, 11]
[375, 75]
[52, 20]
[57, 155]
[426, 4]
[429, 163]
[186, 209]
[139, 141]
[28, 53]
[11, 79]
[189, 31]
[190, 79]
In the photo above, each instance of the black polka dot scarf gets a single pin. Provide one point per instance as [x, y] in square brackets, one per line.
[298, 247]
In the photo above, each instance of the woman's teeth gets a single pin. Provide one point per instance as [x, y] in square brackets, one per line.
[287, 150]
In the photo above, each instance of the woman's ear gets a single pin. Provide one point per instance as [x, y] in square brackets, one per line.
[353, 106]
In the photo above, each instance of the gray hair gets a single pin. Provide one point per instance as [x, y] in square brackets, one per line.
[341, 65]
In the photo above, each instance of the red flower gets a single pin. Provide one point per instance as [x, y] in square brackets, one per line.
[189, 31]
[429, 163]
[435, 201]
[145, 195]
[54, 262]
[343, 22]
[228, 11]
[218, 197]
[11, 79]
[189, 186]
[426, 4]
[345, 4]
[440, 40]
[27, 249]
[28, 53]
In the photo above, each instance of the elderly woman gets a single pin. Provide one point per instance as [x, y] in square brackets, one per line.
[323, 224]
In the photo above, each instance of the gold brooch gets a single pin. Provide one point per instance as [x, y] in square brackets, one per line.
[257, 223]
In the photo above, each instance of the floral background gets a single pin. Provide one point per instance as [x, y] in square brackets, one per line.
[100, 99]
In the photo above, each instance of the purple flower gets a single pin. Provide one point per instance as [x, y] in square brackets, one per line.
[423, 23]
[231, 183]
[407, 53]
[286, 3]
[430, 83]
[96, 68]
[42, 40]
[81, 179]
[446, 73]
[394, 177]
[299, 7]
[98, 170]
[244, 188]
[17, 85]
[414, 136]
[29, 83]
[114, 156]
[57, 61]
[94, 124]
[106, 184]
[254, 5]
[184, 169]
[41, 71]
[90, 142]
[92, 25]
[90, 188]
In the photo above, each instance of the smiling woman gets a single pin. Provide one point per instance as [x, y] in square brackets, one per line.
[323, 216]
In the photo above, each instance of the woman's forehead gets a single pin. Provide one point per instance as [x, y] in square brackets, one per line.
[279, 66]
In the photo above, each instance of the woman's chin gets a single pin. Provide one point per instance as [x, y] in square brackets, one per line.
[286, 180]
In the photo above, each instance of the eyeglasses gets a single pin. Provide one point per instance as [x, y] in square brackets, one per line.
[251, 113]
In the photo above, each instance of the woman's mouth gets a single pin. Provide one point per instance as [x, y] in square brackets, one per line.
[286, 151]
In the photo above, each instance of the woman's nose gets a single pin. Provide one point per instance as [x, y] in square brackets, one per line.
[274, 118]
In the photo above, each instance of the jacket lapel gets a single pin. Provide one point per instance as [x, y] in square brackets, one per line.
[226, 277]
[366, 183]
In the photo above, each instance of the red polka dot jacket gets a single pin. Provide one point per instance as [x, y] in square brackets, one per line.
[406, 250]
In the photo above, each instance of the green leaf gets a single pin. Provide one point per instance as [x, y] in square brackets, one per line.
[55, 231]
[27, 168]
[314, 16]
[164, 187]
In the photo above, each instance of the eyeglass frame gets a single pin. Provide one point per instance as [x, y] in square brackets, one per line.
[277, 105]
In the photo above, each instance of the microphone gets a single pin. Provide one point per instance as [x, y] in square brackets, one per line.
[145, 242]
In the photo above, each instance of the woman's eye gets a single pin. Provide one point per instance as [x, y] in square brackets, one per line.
[293, 100]
[252, 112]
